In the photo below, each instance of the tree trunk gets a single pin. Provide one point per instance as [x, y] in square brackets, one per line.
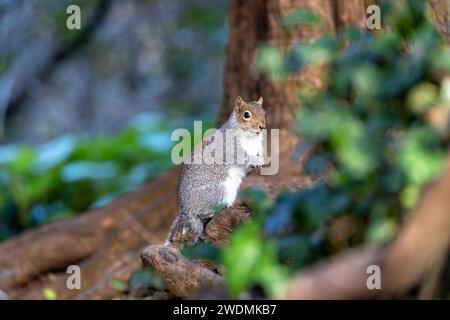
[106, 243]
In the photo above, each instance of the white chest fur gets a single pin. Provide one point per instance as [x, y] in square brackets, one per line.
[231, 184]
[252, 144]
[253, 147]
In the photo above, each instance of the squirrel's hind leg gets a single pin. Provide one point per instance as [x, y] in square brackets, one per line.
[186, 229]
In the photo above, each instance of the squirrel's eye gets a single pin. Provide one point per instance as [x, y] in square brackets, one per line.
[247, 115]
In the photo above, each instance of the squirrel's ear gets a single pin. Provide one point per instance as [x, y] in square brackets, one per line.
[260, 101]
[239, 102]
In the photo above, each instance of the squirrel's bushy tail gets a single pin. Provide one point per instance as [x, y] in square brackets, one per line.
[186, 229]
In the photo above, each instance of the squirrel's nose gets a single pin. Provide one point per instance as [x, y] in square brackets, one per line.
[262, 126]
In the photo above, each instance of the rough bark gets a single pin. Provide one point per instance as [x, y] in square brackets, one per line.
[173, 267]
[440, 10]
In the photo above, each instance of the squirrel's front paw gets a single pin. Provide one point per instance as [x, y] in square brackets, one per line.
[256, 162]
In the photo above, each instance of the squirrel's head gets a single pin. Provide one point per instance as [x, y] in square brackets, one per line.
[250, 115]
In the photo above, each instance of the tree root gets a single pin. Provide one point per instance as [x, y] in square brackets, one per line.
[183, 277]
[38, 259]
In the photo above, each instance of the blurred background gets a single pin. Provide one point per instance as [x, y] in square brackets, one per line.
[364, 118]
[106, 96]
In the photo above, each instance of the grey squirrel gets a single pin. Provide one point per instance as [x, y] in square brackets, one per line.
[207, 188]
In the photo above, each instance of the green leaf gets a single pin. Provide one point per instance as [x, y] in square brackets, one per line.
[422, 97]
[49, 294]
[313, 52]
[147, 277]
[118, 285]
[301, 16]
[440, 61]
[249, 260]
[81, 170]
[53, 153]
[270, 61]
[203, 251]
[417, 157]
[381, 232]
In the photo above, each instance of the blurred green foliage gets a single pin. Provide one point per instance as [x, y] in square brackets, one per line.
[374, 146]
[251, 259]
[301, 16]
[49, 294]
[71, 174]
